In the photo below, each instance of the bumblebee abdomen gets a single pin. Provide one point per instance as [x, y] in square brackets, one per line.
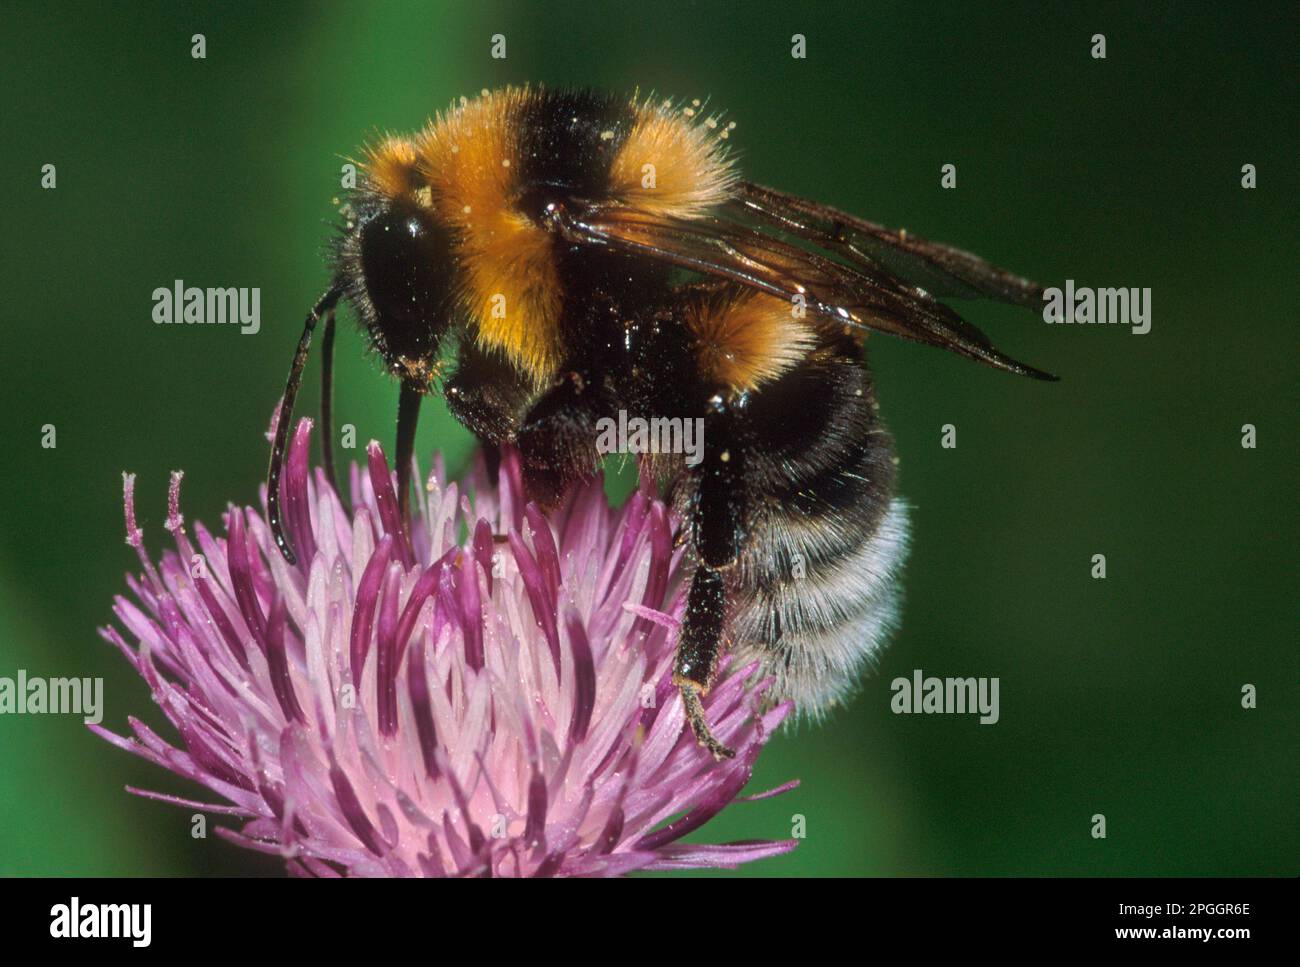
[818, 626]
[817, 587]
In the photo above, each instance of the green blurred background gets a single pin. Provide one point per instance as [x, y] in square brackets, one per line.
[1119, 697]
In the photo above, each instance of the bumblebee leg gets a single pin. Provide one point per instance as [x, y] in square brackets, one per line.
[327, 399]
[486, 394]
[719, 531]
[408, 416]
[557, 440]
[698, 649]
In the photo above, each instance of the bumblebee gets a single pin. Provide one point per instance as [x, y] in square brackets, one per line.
[591, 254]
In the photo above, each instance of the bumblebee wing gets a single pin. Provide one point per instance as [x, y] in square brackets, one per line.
[942, 270]
[853, 296]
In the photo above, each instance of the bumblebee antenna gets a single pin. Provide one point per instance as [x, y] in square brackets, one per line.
[325, 304]
[327, 398]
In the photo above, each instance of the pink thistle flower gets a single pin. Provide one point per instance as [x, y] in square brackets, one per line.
[422, 702]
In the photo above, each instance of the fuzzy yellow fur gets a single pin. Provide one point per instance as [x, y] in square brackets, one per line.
[673, 162]
[465, 167]
[744, 338]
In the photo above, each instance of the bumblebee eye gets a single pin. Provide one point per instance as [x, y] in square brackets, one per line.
[407, 262]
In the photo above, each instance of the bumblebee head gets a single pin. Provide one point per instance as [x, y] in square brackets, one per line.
[402, 282]
[394, 262]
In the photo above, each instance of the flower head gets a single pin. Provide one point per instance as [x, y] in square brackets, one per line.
[486, 692]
